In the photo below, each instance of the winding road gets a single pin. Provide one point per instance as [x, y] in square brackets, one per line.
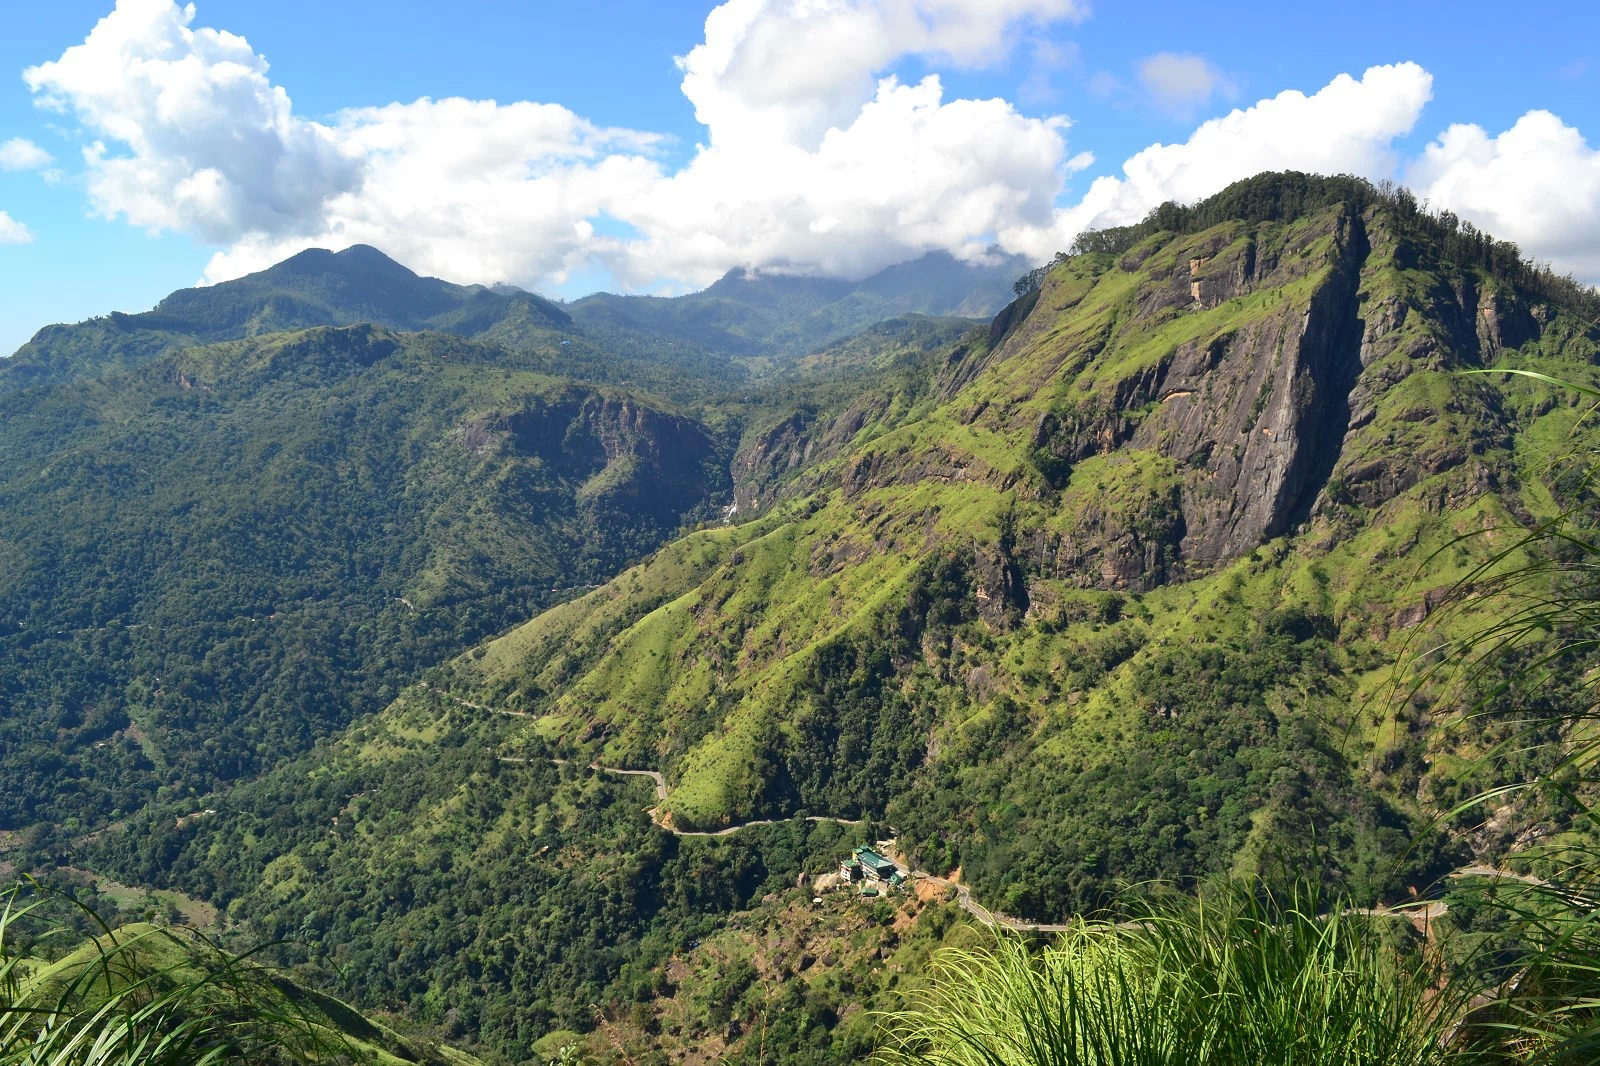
[661, 797]
[1424, 911]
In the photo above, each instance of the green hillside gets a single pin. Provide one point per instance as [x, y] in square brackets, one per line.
[432, 860]
[154, 995]
[1114, 602]
[1105, 593]
[213, 559]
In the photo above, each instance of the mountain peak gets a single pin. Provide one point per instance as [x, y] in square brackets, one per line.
[356, 259]
[312, 288]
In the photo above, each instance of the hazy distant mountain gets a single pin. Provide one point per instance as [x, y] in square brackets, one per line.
[313, 288]
[688, 340]
[749, 313]
[359, 284]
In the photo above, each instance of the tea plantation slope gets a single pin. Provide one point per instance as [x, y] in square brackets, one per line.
[1114, 607]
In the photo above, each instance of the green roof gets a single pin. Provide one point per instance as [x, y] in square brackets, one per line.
[873, 860]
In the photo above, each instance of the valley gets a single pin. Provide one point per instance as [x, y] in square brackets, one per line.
[360, 611]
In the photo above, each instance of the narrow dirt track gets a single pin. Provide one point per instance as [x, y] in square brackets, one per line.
[1427, 911]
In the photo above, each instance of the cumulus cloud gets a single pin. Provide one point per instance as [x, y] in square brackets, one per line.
[1349, 126]
[21, 154]
[815, 158]
[787, 71]
[1537, 183]
[470, 189]
[815, 161]
[12, 231]
[1179, 83]
[819, 163]
[911, 173]
[201, 140]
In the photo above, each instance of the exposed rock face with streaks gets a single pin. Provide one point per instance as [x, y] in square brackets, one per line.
[1104, 592]
[1146, 420]
[1256, 416]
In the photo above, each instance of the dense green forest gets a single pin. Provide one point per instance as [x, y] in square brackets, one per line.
[324, 627]
[215, 558]
[527, 894]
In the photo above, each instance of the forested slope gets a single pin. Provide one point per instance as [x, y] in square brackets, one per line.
[214, 558]
[1113, 599]
[1106, 592]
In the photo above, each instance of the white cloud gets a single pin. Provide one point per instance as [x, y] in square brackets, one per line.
[200, 140]
[787, 71]
[21, 154]
[818, 163]
[1537, 183]
[1179, 82]
[911, 173]
[1348, 126]
[12, 231]
[813, 160]
[470, 189]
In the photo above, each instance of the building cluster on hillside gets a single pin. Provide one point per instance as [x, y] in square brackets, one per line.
[870, 869]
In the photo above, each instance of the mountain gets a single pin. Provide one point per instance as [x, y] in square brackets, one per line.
[360, 284]
[682, 347]
[215, 557]
[1105, 592]
[772, 314]
[313, 288]
[227, 505]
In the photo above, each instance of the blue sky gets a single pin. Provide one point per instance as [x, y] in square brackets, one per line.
[617, 195]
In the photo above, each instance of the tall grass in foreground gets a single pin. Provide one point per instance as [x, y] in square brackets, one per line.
[1547, 627]
[1548, 1011]
[144, 997]
[1237, 977]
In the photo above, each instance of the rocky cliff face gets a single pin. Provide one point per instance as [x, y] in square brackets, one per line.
[1256, 412]
[1255, 415]
[1260, 414]
[621, 454]
[1163, 443]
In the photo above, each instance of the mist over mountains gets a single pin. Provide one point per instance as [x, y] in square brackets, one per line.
[745, 315]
